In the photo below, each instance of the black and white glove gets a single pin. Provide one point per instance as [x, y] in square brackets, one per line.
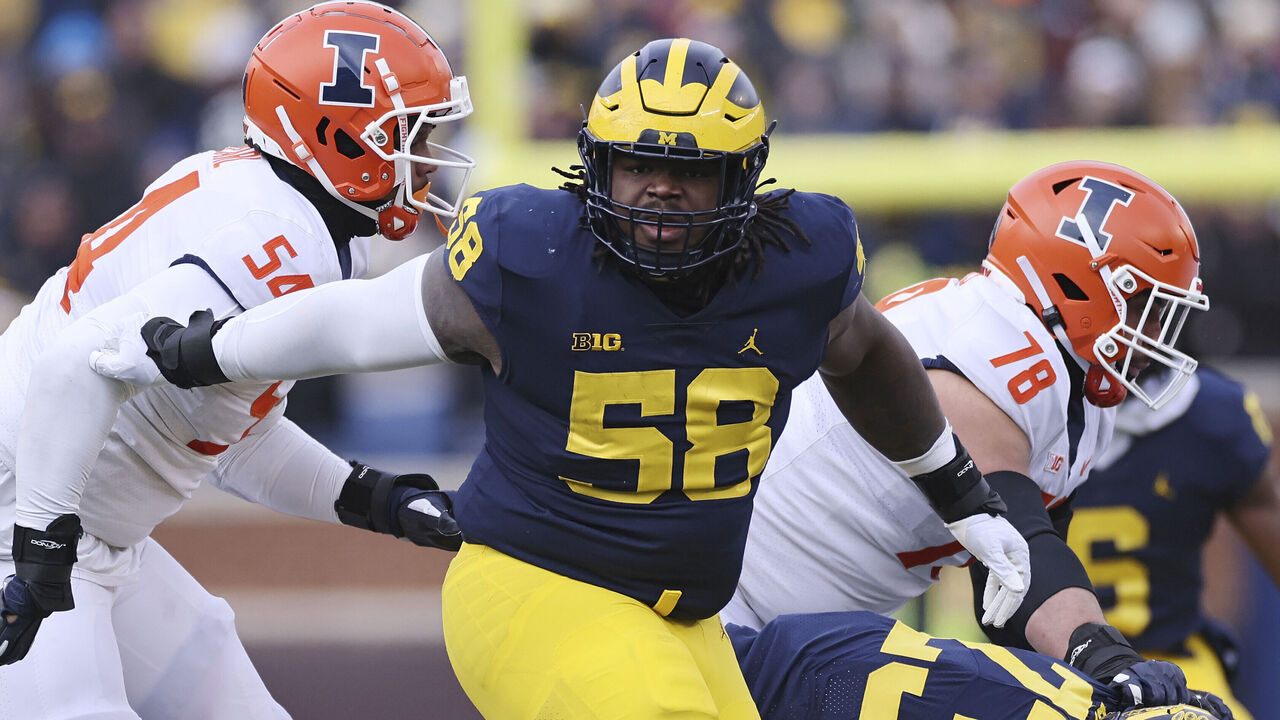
[974, 514]
[145, 349]
[40, 585]
[1100, 651]
[184, 355]
[410, 506]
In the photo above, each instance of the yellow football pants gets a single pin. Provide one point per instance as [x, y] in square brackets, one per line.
[1204, 672]
[530, 644]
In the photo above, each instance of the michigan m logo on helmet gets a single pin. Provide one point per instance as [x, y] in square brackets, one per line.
[675, 100]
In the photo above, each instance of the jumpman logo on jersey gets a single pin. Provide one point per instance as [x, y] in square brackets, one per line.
[1162, 487]
[751, 343]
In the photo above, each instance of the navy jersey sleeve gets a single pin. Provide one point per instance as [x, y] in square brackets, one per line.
[828, 220]
[1230, 418]
[471, 255]
[507, 236]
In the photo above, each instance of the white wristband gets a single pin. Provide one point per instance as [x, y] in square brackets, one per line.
[940, 453]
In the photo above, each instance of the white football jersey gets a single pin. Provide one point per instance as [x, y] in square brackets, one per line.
[837, 526]
[229, 214]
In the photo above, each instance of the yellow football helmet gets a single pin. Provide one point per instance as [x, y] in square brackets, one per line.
[1164, 712]
[675, 99]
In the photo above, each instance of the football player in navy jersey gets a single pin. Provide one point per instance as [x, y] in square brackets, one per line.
[639, 337]
[1143, 518]
[858, 664]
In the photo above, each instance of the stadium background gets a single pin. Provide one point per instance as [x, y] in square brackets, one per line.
[919, 113]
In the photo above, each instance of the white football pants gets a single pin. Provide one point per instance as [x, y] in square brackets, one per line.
[158, 646]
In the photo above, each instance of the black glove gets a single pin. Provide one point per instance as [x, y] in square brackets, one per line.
[1100, 651]
[410, 506]
[41, 584]
[184, 355]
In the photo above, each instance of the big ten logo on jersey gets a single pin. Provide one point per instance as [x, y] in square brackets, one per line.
[608, 342]
[464, 243]
[278, 284]
[1055, 462]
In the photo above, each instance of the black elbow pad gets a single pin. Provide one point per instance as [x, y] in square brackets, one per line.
[1054, 566]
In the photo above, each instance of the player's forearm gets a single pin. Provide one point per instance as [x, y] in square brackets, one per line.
[284, 469]
[1257, 518]
[887, 397]
[1050, 626]
[68, 413]
[342, 327]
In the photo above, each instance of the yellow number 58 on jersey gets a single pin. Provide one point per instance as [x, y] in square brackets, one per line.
[464, 243]
[654, 391]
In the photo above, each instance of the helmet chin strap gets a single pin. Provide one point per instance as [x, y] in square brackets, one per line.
[394, 221]
[1050, 315]
[397, 220]
[1101, 388]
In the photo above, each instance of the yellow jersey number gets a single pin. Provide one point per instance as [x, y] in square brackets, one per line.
[464, 243]
[654, 391]
[1128, 530]
[885, 685]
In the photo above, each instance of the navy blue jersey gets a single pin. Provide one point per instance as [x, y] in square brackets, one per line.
[624, 441]
[841, 665]
[1141, 523]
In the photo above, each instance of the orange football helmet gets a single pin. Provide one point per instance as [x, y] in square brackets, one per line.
[349, 92]
[1109, 261]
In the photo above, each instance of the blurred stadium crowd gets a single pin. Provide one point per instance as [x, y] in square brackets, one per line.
[102, 95]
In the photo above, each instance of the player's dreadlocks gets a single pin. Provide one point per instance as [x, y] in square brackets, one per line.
[768, 227]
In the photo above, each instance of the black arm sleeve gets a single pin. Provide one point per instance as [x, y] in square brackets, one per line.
[1054, 566]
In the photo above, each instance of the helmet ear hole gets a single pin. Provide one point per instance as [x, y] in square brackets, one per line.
[321, 127]
[1069, 288]
[347, 145]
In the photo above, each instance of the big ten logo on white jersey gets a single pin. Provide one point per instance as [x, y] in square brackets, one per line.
[1000, 346]
[225, 210]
